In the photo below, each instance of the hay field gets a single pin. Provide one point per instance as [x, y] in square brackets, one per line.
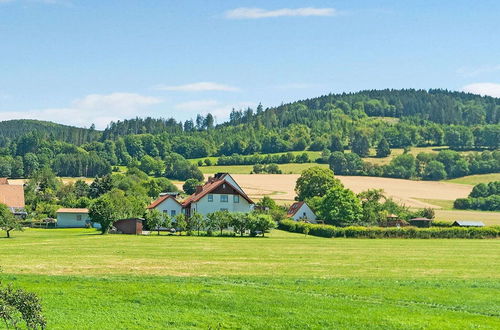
[281, 187]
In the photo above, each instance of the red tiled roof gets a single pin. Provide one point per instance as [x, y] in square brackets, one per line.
[71, 210]
[294, 209]
[160, 200]
[12, 195]
[210, 186]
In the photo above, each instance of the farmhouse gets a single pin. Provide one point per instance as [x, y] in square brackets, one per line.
[462, 223]
[301, 211]
[72, 218]
[12, 196]
[219, 193]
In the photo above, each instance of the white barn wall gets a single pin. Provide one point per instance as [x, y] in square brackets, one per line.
[168, 205]
[304, 212]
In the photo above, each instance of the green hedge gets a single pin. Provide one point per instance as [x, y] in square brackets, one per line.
[389, 232]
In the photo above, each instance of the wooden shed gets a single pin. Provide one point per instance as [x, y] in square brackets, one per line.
[132, 226]
[421, 222]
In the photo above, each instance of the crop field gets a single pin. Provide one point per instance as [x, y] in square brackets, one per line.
[285, 280]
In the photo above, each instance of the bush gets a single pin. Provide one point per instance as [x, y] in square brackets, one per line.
[389, 232]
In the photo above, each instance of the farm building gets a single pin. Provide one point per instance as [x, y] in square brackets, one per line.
[131, 226]
[421, 222]
[461, 223]
[301, 211]
[72, 218]
[12, 196]
[219, 193]
[168, 204]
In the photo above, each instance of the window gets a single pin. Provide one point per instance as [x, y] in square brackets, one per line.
[223, 198]
[165, 211]
[210, 198]
[223, 209]
[172, 213]
[236, 198]
[78, 217]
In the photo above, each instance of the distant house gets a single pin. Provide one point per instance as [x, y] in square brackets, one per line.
[131, 226]
[72, 218]
[12, 196]
[421, 222]
[219, 193]
[301, 211]
[461, 223]
[168, 204]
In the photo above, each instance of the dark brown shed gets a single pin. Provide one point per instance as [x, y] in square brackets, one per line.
[421, 222]
[132, 226]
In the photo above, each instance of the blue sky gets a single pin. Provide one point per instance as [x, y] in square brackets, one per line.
[80, 62]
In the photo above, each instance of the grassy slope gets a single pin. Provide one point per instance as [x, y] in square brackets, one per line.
[283, 281]
[476, 179]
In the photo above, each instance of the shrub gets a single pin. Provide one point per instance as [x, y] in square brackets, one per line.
[389, 232]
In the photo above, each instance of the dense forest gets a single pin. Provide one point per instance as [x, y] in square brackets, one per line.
[381, 119]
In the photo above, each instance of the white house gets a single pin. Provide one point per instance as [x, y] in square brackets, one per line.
[72, 218]
[168, 204]
[219, 193]
[301, 211]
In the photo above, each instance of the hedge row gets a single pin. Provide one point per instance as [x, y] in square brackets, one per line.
[389, 232]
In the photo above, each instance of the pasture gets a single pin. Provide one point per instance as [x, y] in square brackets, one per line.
[283, 281]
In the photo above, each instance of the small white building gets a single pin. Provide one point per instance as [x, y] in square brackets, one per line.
[72, 218]
[167, 204]
[301, 211]
[219, 193]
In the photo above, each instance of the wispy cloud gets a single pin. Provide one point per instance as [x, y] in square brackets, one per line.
[255, 13]
[99, 109]
[490, 89]
[218, 109]
[199, 87]
[476, 71]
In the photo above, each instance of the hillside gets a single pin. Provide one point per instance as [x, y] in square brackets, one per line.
[364, 123]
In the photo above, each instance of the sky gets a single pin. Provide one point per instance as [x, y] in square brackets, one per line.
[80, 62]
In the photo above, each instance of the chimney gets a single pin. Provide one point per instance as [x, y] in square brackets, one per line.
[198, 189]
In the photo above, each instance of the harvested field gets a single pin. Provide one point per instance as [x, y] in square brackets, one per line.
[281, 187]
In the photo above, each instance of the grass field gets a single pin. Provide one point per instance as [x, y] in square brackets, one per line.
[476, 179]
[89, 281]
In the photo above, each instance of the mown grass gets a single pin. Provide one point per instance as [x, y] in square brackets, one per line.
[476, 179]
[89, 281]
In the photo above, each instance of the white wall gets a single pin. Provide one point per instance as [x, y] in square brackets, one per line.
[168, 205]
[203, 206]
[305, 212]
[70, 220]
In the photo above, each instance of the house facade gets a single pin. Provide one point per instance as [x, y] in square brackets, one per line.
[72, 218]
[301, 211]
[219, 193]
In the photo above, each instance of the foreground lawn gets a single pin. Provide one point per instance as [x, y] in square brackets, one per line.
[282, 281]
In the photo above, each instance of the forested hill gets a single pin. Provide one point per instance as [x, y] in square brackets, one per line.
[13, 129]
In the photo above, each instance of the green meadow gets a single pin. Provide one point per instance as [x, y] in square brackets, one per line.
[285, 280]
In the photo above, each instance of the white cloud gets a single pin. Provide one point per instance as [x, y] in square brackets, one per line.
[475, 71]
[219, 110]
[199, 87]
[255, 13]
[490, 89]
[99, 109]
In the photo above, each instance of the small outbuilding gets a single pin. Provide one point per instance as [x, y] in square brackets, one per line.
[462, 223]
[421, 222]
[132, 226]
[301, 211]
[72, 218]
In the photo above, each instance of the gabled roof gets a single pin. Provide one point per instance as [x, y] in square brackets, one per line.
[72, 210]
[210, 186]
[469, 223]
[420, 219]
[294, 208]
[161, 199]
[12, 195]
